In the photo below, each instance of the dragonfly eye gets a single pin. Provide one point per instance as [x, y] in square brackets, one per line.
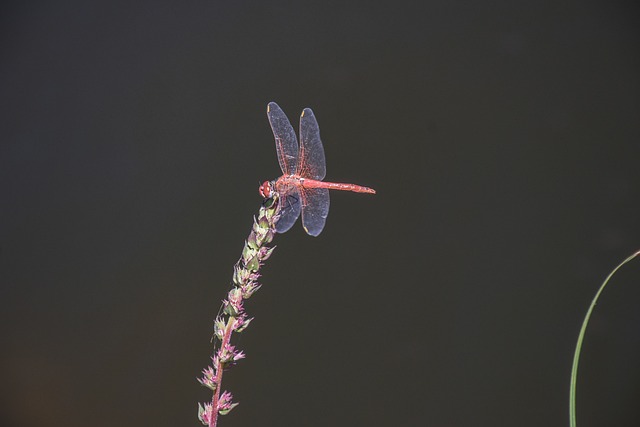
[265, 190]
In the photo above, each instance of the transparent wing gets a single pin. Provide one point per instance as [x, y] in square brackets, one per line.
[311, 162]
[286, 141]
[315, 210]
[290, 206]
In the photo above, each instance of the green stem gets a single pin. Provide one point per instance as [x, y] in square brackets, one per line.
[576, 356]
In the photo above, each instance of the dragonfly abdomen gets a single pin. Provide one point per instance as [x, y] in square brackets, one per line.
[312, 183]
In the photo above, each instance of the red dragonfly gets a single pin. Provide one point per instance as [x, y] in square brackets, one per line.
[300, 188]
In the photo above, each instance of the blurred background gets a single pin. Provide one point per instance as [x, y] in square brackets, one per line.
[502, 138]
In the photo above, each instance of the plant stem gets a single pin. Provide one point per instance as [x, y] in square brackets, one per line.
[576, 355]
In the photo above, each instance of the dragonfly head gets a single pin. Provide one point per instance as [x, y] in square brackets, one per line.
[266, 189]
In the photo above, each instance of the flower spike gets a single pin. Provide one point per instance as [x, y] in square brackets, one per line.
[233, 318]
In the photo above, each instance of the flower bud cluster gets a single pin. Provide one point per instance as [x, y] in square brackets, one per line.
[225, 405]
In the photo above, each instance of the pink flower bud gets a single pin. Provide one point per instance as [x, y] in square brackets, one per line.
[208, 378]
[205, 413]
[225, 404]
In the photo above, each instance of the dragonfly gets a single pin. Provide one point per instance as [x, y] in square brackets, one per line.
[301, 189]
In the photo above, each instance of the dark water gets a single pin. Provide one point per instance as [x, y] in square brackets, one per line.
[502, 139]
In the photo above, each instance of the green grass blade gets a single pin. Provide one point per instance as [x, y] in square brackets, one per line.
[576, 356]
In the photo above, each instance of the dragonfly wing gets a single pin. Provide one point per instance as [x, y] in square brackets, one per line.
[289, 211]
[311, 161]
[286, 141]
[315, 210]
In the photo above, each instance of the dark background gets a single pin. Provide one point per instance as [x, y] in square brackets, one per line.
[502, 138]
